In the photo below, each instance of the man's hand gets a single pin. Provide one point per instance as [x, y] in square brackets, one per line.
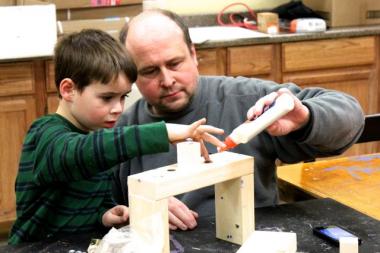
[116, 216]
[180, 216]
[293, 120]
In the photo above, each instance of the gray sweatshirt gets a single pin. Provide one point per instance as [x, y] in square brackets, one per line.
[335, 124]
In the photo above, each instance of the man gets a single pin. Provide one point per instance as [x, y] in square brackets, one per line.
[322, 123]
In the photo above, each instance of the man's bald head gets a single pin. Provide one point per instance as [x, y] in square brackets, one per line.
[151, 19]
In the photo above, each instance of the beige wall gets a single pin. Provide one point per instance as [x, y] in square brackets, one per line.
[214, 6]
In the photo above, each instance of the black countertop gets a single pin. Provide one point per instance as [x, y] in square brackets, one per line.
[298, 217]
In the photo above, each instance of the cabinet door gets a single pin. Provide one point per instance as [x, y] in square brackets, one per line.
[356, 81]
[347, 65]
[212, 61]
[259, 61]
[17, 78]
[16, 115]
[358, 86]
[326, 54]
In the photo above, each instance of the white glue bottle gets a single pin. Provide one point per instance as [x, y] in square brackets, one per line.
[246, 131]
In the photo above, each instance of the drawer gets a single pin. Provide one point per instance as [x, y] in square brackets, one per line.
[250, 60]
[212, 61]
[323, 54]
[16, 78]
[50, 78]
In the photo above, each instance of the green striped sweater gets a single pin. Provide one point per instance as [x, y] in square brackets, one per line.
[64, 179]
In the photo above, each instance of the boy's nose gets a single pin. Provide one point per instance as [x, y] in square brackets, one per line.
[118, 107]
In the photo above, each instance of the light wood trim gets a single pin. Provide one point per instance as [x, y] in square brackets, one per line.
[323, 54]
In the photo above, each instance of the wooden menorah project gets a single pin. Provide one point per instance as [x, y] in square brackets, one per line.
[232, 175]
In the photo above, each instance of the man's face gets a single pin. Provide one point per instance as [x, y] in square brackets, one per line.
[167, 69]
[99, 105]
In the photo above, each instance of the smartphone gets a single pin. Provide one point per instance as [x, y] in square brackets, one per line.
[333, 233]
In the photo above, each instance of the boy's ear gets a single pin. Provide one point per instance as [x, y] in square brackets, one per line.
[66, 89]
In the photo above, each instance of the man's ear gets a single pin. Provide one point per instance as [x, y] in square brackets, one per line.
[67, 89]
[194, 54]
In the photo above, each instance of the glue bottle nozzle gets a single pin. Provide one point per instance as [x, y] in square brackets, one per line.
[229, 144]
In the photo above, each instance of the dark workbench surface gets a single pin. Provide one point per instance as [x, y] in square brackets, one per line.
[298, 217]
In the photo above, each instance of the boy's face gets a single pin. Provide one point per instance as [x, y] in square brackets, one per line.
[99, 105]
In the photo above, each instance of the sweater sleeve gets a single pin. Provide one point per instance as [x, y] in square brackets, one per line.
[71, 156]
[337, 119]
[337, 123]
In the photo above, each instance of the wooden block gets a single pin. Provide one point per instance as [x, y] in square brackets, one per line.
[149, 192]
[149, 220]
[268, 22]
[188, 152]
[348, 245]
[238, 195]
[168, 181]
[270, 242]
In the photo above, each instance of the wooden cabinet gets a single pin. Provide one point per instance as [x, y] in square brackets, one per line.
[347, 64]
[18, 108]
[260, 61]
[212, 61]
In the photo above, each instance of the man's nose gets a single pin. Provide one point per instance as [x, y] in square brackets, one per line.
[167, 78]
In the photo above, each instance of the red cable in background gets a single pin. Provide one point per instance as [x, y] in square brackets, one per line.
[250, 24]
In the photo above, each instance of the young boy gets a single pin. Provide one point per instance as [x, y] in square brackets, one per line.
[64, 184]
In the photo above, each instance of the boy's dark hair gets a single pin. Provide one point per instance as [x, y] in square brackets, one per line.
[91, 56]
[171, 15]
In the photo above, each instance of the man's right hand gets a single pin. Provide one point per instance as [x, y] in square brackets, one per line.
[180, 216]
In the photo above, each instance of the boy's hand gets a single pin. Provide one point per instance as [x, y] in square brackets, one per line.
[116, 216]
[196, 131]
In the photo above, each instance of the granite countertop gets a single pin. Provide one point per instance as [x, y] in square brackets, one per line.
[332, 33]
[339, 32]
[343, 32]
